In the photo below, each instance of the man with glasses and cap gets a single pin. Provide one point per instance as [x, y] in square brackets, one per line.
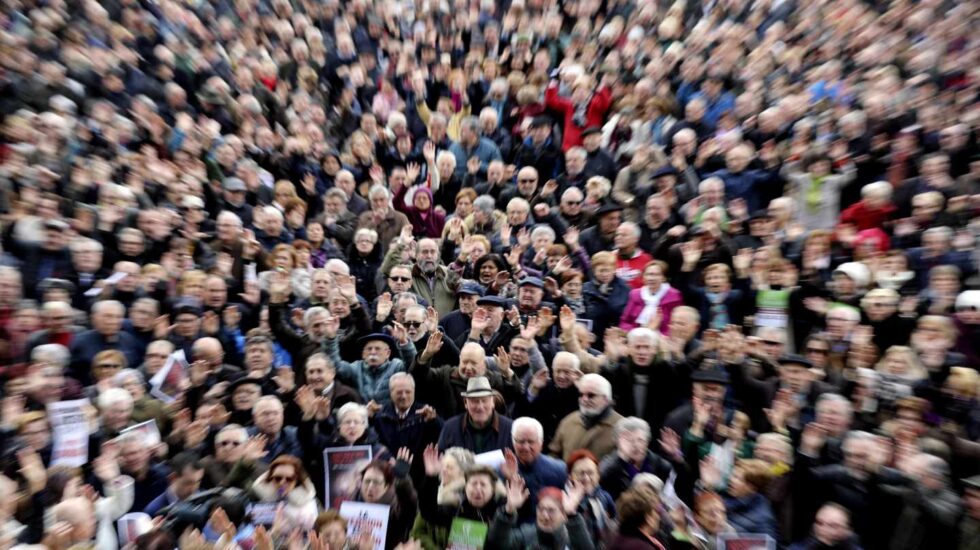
[487, 326]
[480, 428]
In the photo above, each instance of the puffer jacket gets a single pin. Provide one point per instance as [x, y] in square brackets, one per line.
[507, 534]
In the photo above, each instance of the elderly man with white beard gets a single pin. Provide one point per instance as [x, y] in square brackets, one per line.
[593, 426]
[420, 323]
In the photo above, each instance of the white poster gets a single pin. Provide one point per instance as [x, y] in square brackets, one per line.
[69, 432]
[149, 430]
[366, 518]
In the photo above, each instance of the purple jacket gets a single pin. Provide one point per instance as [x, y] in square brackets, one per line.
[635, 306]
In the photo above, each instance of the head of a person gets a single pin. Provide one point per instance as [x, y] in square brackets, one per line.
[134, 454]
[529, 295]
[518, 210]
[479, 409]
[320, 371]
[454, 464]
[34, 430]
[639, 512]
[632, 439]
[583, 468]
[610, 221]
[400, 279]
[107, 317]
[832, 525]
[642, 343]
[481, 483]
[401, 388]
[748, 477]
[285, 473]
[107, 364]
[654, 275]
[684, 323]
[594, 394]
[229, 443]
[472, 361]
[717, 278]
[774, 448]
[376, 352]
[627, 237]
[709, 512]
[377, 478]
[835, 413]
[841, 320]
[115, 408]
[258, 355]
[549, 513]
[604, 267]
[880, 304]
[528, 437]
[860, 453]
[267, 414]
[186, 473]
[332, 528]
[352, 419]
[428, 255]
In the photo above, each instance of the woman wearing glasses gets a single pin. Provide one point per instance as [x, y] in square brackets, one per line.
[383, 484]
[286, 482]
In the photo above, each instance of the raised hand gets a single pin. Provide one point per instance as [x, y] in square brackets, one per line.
[670, 442]
[255, 448]
[405, 454]
[481, 319]
[196, 433]
[384, 306]
[514, 316]
[13, 407]
[524, 238]
[427, 413]
[506, 231]
[538, 382]
[373, 407]
[530, 330]
[331, 326]
[429, 152]
[431, 460]
[571, 237]
[813, 438]
[210, 323]
[566, 319]
[412, 172]
[546, 318]
[220, 523]
[285, 379]
[321, 408]
[252, 295]
[517, 494]
[503, 362]
[399, 332]
[432, 347]
[473, 165]
[509, 468]
[710, 473]
[691, 253]
[431, 319]
[743, 260]
[574, 493]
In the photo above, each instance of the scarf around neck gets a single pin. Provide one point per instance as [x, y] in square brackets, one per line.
[651, 301]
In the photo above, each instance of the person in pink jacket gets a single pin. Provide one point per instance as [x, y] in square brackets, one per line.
[655, 295]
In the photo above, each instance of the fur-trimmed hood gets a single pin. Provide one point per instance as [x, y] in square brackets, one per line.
[300, 496]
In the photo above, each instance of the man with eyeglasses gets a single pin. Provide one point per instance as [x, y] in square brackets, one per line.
[229, 452]
[59, 327]
[526, 188]
[268, 418]
[106, 333]
[527, 462]
[570, 208]
[593, 425]
[420, 325]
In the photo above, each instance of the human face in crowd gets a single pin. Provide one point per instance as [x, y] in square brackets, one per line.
[87, 258]
[229, 446]
[550, 515]
[428, 255]
[352, 426]
[834, 416]
[284, 478]
[108, 321]
[36, 435]
[399, 280]
[268, 417]
[711, 516]
[573, 287]
[591, 400]
[319, 375]
[642, 351]
[479, 409]
[449, 470]
[518, 352]
[134, 458]
[258, 359]
[632, 445]
[488, 272]
[527, 445]
[472, 361]
[609, 223]
[479, 490]
[187, 482]
[529, 297]
[604, 273]
[320, 284]
[840, 324]
[334, 534]
[831, 526]
[517, 214]
[245, 396]
[683, 325]
[373, 485]
[402, 393]
[375, 353]
[467, 303]
[653, 277]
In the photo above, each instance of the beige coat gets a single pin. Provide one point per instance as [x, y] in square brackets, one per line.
[572, 436]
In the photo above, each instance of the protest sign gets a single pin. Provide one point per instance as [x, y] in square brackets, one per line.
[746, 542]
[171, 379]
[366, 518]
[465, 534]
[69, 432]
[492, 459]
[341, 468]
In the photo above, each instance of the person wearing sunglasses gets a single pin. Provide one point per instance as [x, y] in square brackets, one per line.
[287, 482]
[593, 426]
[229, 452]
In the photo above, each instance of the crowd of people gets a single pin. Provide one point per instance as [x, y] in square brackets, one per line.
[582, 275]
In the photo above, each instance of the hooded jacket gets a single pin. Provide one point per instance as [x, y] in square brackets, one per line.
[425, 223]
[299, 504]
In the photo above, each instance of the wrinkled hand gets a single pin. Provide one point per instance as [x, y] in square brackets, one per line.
[431, 460]
[503, 362]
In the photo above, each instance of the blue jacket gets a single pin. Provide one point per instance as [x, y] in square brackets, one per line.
[485, 150]
[753, 186]
[546, 471]
[286, 444]
[146, 490]
[724, 103]
[751, 515]
[605, 309]
[370, 382]
[412, 431]
[456, 432]
[166, 499]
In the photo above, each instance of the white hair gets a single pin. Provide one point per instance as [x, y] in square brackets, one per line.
[526, 422]
[338, 263]
[599, 381]
[352, 408]
[114, 396]
[633, 424]
[542, 230]
[55, 354]
[641, 333]
[571, 357]
[447, 156]
[881, 189]
[99, 307]
[399, 376]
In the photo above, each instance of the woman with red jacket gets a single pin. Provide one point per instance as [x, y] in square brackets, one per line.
[585, 108]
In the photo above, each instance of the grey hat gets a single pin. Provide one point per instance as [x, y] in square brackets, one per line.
[478, 386]
[233, 184]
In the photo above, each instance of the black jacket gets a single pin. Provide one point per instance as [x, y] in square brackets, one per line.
[616, 474]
